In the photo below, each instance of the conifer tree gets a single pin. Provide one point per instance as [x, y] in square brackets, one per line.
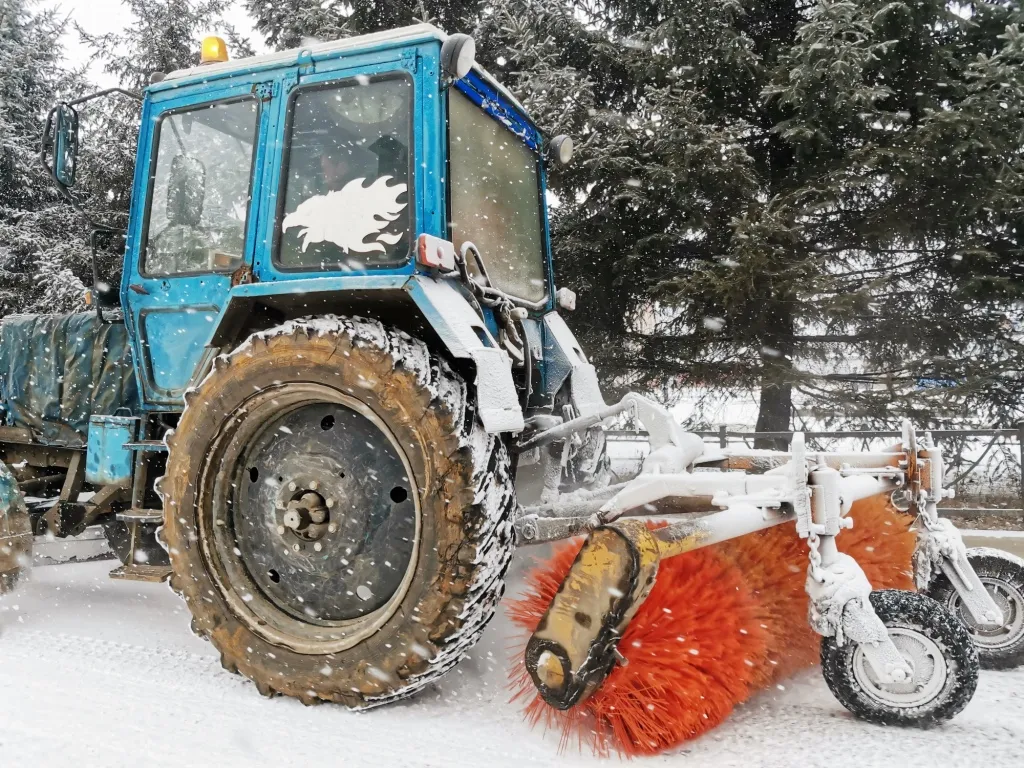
[818, 201]
[42, 262]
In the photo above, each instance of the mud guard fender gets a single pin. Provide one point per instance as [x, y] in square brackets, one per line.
[465, 336]
[440, 303]
[566, 360]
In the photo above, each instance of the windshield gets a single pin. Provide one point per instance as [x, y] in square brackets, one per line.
[495, 199]
[346, 192]
[200, 189]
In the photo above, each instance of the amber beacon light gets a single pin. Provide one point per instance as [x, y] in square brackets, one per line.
[215, 50]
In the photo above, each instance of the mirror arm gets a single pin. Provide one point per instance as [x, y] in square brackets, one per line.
[105, 92]
[47, 143]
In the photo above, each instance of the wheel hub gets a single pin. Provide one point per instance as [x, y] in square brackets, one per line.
[928, 671]
[307, 516]
[1010, 602]
[321, 516]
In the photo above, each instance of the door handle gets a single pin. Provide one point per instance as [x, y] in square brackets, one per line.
[138, 289]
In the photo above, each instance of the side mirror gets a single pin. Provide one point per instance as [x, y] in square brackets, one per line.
[458, 54]
[186, 191]
[65, 144]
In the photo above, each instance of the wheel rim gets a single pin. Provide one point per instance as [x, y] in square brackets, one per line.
[312, 524]
[1010, 601]
[926, 661]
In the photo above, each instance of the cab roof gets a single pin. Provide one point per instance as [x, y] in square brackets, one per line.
[390, 38]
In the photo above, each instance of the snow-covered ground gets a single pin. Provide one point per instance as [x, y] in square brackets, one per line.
[102, 674]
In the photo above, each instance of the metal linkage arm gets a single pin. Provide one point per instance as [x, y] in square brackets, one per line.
[670, 444]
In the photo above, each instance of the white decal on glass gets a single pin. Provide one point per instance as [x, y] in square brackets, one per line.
[350, 215]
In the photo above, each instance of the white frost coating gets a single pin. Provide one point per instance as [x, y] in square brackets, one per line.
[349, 215]
[840, 603]
[934, 544]
[497, 399]
[458, 326]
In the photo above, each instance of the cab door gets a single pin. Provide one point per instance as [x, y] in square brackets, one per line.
[193, 231]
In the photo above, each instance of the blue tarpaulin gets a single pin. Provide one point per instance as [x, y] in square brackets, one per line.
[58, 370]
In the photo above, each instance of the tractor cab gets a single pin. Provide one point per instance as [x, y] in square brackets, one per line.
[323, 179]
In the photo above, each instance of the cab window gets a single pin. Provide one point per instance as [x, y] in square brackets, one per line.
[346, 200]
[200, 189]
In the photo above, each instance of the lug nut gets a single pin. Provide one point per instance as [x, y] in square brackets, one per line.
[296, 547]
[332, 528]
[292, 486]
[318, 546]
[313, 485]
[330, 503]
[280, 530]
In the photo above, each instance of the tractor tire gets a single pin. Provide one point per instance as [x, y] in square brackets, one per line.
[147, 548]
[337, 519]
[15, 533]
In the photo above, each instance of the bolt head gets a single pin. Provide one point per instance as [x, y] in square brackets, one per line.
[318, 546]
[330, 503]
[332, 528]
[280, 530]
[292, 486]
[313, 485]
[296, 547]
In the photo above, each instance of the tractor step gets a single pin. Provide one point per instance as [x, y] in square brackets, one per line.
[136, 515]
[151, 573]
[147, 445]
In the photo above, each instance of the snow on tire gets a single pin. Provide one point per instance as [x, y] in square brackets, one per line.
[940, 652]
[306, 576]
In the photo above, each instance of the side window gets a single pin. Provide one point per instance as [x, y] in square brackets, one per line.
[199, 189]
[346, 197]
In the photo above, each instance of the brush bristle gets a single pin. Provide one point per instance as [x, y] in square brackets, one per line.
[720, 624]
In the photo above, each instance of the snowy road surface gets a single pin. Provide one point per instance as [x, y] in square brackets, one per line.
[103, 674]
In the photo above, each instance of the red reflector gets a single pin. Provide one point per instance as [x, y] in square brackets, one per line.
[435, 253]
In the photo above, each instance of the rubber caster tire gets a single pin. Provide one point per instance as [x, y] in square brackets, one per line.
[939, 648]
[1003, 576]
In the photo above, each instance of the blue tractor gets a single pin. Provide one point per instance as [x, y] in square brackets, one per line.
[335, 391]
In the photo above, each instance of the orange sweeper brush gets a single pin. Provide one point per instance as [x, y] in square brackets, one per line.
[720, 624]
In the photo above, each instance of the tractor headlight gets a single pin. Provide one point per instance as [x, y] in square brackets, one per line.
[458, 54]
[560, 149]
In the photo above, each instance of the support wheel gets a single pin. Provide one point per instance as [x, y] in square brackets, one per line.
[337, 518]
[1003, 577]
[938, 648]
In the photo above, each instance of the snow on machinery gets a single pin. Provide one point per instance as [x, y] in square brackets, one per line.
[339, 385]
